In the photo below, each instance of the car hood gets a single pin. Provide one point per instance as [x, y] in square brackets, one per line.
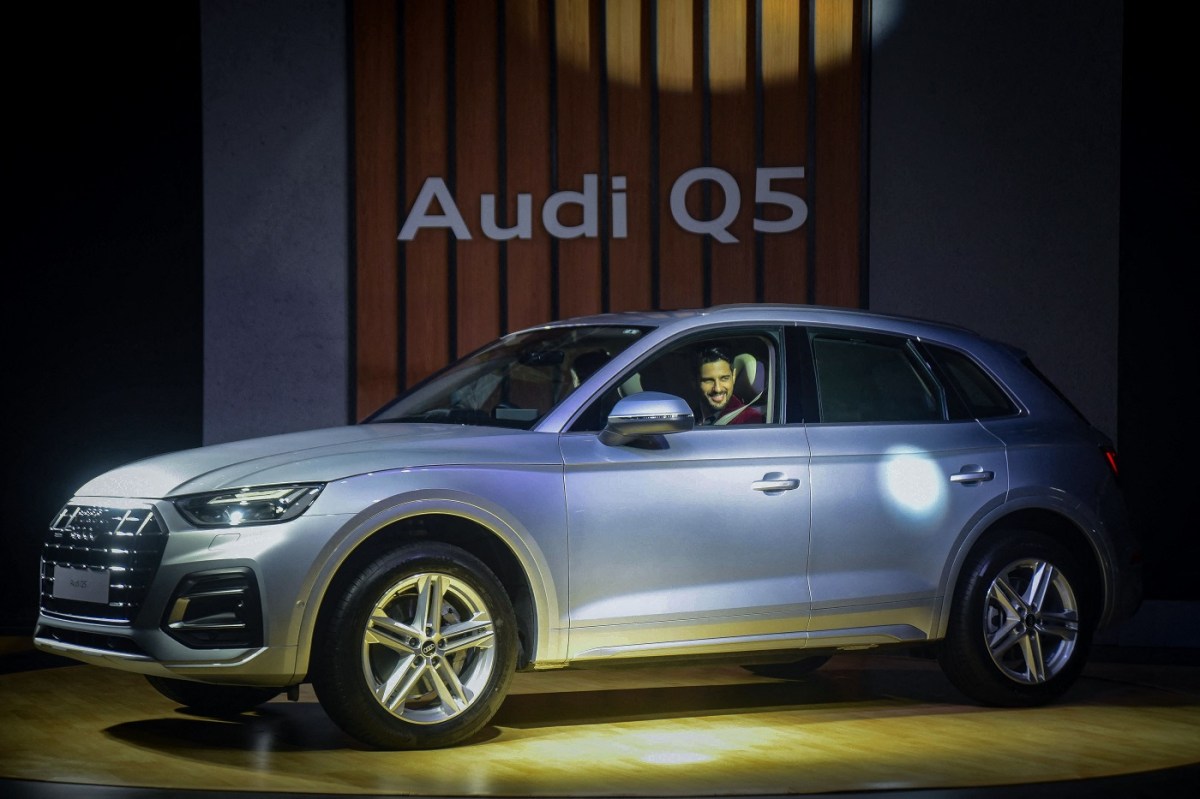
[320, 456]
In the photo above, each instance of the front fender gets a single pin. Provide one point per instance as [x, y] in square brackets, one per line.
[524, 539]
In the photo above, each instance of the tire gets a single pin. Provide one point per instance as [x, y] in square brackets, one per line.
[213, 700]
[397, 671]
[796, 670]
[1021, 623]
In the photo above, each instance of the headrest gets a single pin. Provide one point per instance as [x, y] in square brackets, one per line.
[632, 385]
[751, 377]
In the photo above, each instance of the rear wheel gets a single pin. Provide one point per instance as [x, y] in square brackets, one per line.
[213, 700]
[1021, 623]
[418, 649]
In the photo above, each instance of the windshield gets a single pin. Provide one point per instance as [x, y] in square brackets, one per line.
[514, 381]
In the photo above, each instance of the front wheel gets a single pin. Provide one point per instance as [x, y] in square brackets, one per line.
[417, 650]
[1021, 623]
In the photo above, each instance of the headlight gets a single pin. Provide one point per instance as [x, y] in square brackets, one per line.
[241, 506]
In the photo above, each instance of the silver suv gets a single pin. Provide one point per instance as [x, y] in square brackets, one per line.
[765, 484]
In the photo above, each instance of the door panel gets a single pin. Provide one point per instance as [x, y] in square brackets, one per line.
[888, 503]
[704, 538]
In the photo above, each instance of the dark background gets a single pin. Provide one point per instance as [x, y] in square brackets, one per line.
[103, 259]
[102, 256]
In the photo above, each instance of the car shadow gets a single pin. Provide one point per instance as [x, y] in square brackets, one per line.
[291, 727]
[304, 726]
[820, 690]
[897, 687]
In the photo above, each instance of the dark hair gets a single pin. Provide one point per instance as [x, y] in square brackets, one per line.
[712, 355]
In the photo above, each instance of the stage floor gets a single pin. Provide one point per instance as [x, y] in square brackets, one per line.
[863, 723]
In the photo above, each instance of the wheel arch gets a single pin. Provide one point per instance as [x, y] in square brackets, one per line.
[1066, 531]
[464, 525]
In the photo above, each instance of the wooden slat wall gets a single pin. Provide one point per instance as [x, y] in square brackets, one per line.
[428, 316]
[837, 200]
[577, 138]
[526, 157]
[785, 80]
[377, 343]
[477, 299]
[529, 96]
[731, 127]
[681, 255]
[630, 125]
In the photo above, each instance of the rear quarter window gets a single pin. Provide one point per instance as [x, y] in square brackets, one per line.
[972, 393]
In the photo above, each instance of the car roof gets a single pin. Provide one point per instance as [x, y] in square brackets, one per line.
[764, 312]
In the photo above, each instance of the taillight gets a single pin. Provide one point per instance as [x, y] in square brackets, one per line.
[1110, 455]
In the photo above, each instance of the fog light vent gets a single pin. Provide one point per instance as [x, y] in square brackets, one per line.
[218, 609]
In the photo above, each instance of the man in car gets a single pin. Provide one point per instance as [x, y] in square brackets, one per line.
[716, 378]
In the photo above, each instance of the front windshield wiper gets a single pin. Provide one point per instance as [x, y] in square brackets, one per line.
[456, 416]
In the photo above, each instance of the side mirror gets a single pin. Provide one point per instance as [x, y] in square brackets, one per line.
[647, 413]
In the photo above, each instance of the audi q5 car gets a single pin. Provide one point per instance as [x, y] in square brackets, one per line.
[762, 484]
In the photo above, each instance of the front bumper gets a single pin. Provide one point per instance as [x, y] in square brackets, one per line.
[220, 605]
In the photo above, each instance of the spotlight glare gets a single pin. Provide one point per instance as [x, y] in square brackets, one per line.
[913, 482]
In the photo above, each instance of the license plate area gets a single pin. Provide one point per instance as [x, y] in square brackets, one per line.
[81, 585]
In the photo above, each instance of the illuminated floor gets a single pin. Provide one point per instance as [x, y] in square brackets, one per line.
[861, 724]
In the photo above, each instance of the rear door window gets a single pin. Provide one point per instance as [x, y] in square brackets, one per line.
[872, 378]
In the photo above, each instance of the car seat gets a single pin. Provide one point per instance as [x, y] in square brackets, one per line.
[751, 379]
[631, 385]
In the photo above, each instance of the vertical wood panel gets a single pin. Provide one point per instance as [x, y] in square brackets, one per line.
[629, 135]
[375, 202]
[527, 137]
[477, 292]
[785, 141]
[578, 64]
[679, 80]
[426, 312]
[730, 77]
[558, 89]
[837, 56]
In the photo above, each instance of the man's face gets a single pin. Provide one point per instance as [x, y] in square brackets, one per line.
[716, 383]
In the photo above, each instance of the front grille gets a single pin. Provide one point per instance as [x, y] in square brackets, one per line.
[124, 545]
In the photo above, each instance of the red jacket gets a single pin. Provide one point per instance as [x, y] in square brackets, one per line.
[735, 412]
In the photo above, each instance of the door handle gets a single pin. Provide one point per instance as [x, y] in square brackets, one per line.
[972, 475]
[774, 482]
